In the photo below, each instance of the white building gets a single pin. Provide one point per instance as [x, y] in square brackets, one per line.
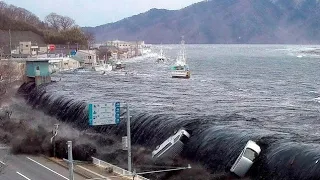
[89, 56]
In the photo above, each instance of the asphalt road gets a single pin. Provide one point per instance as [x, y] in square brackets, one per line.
[24, 167]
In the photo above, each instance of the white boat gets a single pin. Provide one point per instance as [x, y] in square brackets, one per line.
[102, 67]
[181, 68]
[161, 57]
[119, 65]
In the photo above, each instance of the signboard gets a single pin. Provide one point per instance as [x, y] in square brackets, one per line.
[104, 114]
[125, 143]
[51, 47]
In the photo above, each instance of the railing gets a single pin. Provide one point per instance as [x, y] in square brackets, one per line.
[116, 169]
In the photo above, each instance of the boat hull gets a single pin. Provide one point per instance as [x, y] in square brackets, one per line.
[181, 74]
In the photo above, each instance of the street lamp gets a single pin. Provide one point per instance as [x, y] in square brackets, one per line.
[53, 138]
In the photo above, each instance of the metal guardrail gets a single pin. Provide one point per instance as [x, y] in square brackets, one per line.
[116, 169]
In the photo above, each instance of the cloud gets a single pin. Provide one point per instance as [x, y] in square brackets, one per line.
[96, 12]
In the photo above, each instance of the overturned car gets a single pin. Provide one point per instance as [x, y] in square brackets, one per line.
[173, 146]
[245, 160]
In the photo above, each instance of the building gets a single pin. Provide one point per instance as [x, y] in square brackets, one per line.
[119, 44]
[90, 57]
[61, 64]
[34, 50]
[69, 63]
[130, 49]
[108, 52]
[24, 48]
[37, 71]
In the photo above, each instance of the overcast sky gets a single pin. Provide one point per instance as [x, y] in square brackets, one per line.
[96, 12]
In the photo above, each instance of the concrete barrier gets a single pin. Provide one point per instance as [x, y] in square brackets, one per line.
[116, 169]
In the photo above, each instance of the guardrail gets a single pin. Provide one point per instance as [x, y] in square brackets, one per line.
[116, 169]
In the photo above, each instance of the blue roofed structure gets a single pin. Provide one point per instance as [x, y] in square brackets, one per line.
[38, 71]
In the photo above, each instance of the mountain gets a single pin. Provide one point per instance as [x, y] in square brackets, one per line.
[222, 21]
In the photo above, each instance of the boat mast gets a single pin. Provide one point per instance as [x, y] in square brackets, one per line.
[183, 53]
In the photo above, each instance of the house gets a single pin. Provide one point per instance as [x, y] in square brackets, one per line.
[108, 52]
[68, 63]
[90, 57]
[24, 48]
[34, 50]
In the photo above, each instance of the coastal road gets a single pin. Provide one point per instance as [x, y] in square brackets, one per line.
[24, 167]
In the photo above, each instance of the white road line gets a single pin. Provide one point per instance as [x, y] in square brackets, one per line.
[23, 176]
[47, 168]
[93, 172]
[4, 148]
[2, 162]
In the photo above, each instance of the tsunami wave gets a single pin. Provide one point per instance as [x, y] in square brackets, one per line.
[216, 141]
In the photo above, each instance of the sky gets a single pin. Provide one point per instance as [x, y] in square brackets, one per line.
[97, 12]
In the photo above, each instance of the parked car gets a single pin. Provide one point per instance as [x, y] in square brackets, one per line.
[172, 146]
[245, 160]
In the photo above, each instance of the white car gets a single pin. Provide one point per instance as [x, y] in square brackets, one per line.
[172, 146]
[245, 160]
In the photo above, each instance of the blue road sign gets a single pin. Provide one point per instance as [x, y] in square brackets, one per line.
[104, 114]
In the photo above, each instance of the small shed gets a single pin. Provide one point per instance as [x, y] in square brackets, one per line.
[38, 71]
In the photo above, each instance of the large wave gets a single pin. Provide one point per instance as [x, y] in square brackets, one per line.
[215, 141]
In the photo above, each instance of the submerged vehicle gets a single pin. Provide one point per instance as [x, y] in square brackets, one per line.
[181, 68]
[245, 160]
[172, 146]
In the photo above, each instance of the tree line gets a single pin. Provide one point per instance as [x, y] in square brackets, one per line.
[56, 29]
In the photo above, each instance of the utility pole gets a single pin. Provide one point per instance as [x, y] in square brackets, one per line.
[70, 160]
[10, 43]
[129, 139]
[53, 138]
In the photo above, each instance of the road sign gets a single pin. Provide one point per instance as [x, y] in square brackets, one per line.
[125, 143]
[104, 114]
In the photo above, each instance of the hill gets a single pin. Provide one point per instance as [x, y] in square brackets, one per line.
[222, 21]
[25, 26]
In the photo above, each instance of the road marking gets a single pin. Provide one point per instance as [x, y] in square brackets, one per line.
[2, 162]
[23, 176]
[93, 172]
[4, 148]
[47, 168]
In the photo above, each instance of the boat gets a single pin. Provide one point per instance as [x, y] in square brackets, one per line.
[102, 67]
[119, 65]
[161, 57]
[181, 68]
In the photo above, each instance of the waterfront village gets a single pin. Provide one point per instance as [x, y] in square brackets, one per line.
[73, 56]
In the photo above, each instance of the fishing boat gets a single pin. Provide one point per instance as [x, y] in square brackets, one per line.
[119, 65]
[181, 68]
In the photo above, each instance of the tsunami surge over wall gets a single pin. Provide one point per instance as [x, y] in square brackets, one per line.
[214, 142]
